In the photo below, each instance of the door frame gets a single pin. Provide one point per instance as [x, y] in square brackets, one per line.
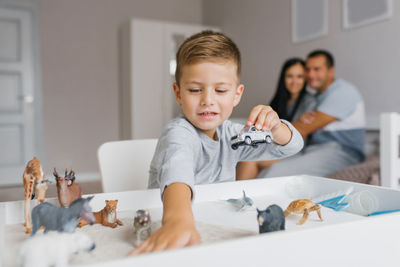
[38, 131]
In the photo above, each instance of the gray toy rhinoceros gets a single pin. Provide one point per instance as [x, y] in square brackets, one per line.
[61, 219]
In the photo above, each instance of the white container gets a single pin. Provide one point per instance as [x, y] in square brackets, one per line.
[341, 239]
[362, 203]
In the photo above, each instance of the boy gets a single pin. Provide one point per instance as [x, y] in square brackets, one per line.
[196, 149]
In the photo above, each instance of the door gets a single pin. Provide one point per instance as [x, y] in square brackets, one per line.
[17, 136]
[148, 61]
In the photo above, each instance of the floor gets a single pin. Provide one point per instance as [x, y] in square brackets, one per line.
[17, 192]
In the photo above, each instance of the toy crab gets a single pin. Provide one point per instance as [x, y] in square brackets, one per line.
[303, 206]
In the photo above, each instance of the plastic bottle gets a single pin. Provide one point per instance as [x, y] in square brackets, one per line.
[362, 203]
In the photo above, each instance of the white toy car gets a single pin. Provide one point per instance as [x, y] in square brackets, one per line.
[250, 136]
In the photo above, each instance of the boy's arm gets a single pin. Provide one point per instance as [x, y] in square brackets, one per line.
[319, 121]
[177, 228]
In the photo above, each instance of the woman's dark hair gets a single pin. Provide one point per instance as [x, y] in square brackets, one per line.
[282, 95]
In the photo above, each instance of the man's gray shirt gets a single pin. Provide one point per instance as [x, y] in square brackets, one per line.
[184, 154]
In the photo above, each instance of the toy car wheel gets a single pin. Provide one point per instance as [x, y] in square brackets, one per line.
[268, 139]
[234, 147]
[247, 140]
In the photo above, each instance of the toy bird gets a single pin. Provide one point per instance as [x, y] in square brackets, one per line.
[241, 203]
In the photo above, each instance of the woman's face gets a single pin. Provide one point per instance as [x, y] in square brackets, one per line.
[295, 78]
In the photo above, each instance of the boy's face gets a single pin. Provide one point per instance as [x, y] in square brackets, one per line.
[208, 92]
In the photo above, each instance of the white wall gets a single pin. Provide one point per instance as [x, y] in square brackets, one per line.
[367, 56]
[80, 65]
[79, 47]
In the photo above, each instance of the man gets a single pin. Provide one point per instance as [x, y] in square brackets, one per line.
[335, 130]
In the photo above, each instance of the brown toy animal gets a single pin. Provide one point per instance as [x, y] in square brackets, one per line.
[67, 190]
[107, 216]
[303, 206]
[34, 184]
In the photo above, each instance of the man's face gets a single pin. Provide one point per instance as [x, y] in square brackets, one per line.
[208, 92]
[319, 76]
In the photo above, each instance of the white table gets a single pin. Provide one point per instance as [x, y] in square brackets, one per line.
[342, 239]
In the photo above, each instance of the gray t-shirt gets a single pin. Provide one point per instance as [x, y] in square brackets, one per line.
[342, 101]
[307, 104]
[184, 154]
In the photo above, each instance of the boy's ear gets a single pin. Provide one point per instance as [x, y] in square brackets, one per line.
[238, 94]
[177, 93]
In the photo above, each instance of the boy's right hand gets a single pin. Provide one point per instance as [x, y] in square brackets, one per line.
[173, 234]
[178, 229]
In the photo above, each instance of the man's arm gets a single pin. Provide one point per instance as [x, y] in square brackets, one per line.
[177, 228]
[320, 120]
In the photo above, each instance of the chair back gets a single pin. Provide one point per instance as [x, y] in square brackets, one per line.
[389, 143]
[124, 165]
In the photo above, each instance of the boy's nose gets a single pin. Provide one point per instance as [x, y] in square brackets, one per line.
[207, 98]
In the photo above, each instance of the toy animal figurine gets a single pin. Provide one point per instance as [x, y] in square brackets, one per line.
[107, 216]
[303, 206]
[67, 190]
[53, 249]
[142, 225]
[61, 219]
[270, 220]
[241, 203]
[34, 184]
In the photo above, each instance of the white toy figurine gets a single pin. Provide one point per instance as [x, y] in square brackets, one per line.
[53, 249]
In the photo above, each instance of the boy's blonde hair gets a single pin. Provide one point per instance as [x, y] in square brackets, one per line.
[206, 46]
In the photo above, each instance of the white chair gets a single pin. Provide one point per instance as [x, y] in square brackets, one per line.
[124, 165]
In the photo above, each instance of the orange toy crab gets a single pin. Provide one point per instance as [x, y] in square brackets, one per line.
[303, 206]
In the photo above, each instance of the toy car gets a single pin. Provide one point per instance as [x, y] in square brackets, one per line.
[250, 136]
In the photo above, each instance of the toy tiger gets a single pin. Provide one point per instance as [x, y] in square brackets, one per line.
[107, 216]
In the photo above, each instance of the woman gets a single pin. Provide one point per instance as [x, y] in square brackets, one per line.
[291, 100]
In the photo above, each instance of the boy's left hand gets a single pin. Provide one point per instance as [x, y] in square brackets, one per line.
[264, 118]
